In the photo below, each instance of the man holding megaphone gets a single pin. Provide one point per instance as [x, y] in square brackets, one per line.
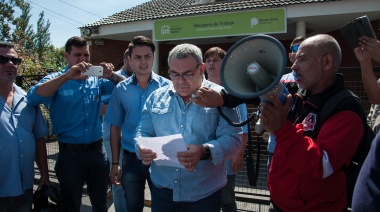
[289, 81]
[306, 172]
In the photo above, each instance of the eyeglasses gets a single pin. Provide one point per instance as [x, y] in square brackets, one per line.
[15, 61]
[294, 48]
[186, 76]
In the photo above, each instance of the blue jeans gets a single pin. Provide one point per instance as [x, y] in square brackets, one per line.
[133, 178]
[74, 168]
[119, 202]
[18, 203]
[162, 201]
[228, 195]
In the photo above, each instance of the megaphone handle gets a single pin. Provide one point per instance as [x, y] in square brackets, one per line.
[259, 127]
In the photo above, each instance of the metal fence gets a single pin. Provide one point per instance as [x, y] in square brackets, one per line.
[249, 198]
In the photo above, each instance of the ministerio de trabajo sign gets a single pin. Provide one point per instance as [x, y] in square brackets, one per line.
[228, 24]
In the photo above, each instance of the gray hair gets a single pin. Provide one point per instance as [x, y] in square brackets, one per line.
[184, 50]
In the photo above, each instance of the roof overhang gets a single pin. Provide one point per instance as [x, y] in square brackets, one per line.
[319, 18]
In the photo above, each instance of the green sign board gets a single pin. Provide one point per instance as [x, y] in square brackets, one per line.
[228, 24]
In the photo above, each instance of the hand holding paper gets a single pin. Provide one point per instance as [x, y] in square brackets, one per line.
[163, 150]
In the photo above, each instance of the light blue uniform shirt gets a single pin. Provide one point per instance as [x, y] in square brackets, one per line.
[124, 108]
[165, 114]
[74, 108]
[20, 126]
[242, 112]
[121, 72]
[105, 100]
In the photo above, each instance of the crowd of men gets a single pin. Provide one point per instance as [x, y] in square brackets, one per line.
[90, 112]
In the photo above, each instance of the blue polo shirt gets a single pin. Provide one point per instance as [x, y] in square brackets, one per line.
[20, 126]
[125, 106]
[165, 114]
[75, 107]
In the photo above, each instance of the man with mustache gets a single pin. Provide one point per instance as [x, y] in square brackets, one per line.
[210, 139]
[307, 165]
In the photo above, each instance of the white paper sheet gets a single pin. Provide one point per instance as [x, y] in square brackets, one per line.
[166, 148]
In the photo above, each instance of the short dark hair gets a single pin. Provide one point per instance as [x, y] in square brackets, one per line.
[297, 39]
[141, 41]
[74, 41]
[4, 44]
[214, 50]
[126, 54]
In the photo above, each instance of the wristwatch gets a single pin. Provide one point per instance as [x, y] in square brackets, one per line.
[207, 154]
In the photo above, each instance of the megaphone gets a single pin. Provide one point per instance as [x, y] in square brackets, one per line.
[253, 67]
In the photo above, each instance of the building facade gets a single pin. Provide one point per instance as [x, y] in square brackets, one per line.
[222, 23]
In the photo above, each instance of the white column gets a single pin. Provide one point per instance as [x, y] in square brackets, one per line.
[156, 63]
[300, 28]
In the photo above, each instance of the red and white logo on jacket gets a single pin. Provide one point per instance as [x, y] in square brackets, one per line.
[309, 122]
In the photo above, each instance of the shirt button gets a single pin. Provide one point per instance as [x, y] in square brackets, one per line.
[86, 129]
[22, 155]
[181, 126]
[175, 181]
[177, 170]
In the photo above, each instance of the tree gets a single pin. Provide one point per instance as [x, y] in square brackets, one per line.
[35, 48]
[6, 18]
[58, 59]
[23, 33]
[42, 37]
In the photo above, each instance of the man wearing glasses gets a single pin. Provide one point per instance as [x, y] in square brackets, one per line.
[123, 113]
[210, 139]
[22, 130]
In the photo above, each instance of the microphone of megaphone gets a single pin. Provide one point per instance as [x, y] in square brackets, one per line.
[253, 68]
[262, 80]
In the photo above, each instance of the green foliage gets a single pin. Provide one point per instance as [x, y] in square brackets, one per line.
[23, 32]
[42, 37]
[35, 48]
[56, 55]
[32, 64]
[6, 18]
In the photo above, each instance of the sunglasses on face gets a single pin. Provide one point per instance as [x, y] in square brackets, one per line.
[15, 61]
[294, 48]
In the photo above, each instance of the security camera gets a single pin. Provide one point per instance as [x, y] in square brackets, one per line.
[87, 32]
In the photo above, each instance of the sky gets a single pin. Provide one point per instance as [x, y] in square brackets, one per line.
[66, 16]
